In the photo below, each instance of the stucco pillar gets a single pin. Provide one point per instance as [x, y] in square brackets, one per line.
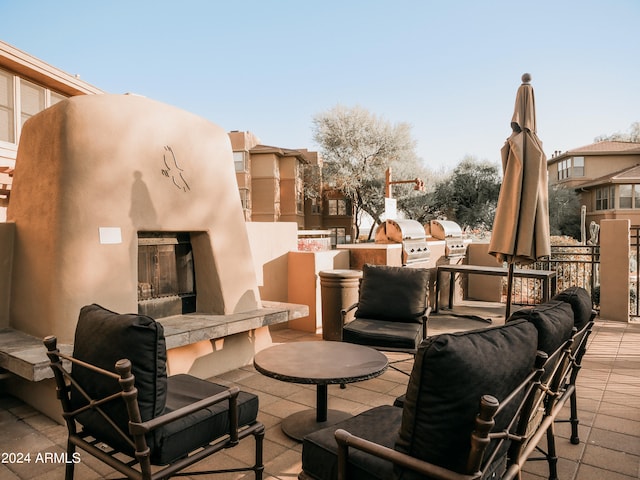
[304, 283]
[614, 270]
[483, 287]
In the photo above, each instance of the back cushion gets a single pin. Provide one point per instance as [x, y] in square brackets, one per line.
[102, 338]
[554, 322]
[450, 374]
[393, 293]
[580, 302]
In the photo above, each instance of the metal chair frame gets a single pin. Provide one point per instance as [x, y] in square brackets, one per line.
[516, 433]
[139, 467]
[562, 388]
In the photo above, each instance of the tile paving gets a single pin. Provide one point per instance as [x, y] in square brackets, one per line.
[608, 395]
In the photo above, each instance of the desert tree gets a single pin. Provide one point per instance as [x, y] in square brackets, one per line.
[468, 196]
[357, 147]
[632, 135]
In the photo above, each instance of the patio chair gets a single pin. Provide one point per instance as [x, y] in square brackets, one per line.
[392, 310]
[120, 406]
[469, 397]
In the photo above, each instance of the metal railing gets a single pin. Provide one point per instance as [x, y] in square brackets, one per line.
[575, 265]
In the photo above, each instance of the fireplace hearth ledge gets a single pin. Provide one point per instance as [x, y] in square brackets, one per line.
[180, 330]
[24, 355]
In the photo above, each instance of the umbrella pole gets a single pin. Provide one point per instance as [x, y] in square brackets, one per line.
[507, 313]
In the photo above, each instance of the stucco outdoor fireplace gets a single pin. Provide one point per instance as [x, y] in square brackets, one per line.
[129, 203]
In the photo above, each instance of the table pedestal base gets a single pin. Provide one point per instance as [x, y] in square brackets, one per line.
[300, 424]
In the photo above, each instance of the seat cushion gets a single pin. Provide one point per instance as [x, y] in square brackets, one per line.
[320, 450]
[553, 320]
[102, 338]
[383, 334]
[451, 373]
[393, 293]
[177, 438]
[580, 302]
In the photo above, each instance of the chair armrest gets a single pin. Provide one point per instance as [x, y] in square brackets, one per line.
[513, 472]
[425, 319]
[145, 427]
[344, 311]
[346, 440]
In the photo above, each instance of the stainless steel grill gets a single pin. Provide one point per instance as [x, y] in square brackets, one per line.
[410, 234]
[451, 233]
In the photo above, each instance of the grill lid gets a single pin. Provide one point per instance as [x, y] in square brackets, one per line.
[443, 229]
[397, 231]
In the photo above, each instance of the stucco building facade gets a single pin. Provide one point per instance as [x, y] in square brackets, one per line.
[275, 185]
[606, 175]
[27, 86]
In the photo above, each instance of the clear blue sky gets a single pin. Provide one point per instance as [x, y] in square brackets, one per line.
[448, 68]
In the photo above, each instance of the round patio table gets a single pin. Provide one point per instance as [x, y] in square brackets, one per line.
[320, 363]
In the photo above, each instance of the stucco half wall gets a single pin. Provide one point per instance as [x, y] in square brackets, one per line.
[93, 171]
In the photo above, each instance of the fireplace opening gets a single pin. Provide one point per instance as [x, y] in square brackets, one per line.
[166, 274]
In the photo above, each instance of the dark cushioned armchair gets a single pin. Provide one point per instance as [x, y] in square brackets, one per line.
[117, 400]
[465, 392]
[392, 310]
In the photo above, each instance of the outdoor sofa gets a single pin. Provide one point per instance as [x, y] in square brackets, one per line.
[477, 405]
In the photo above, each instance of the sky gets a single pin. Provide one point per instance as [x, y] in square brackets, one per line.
[450, 69]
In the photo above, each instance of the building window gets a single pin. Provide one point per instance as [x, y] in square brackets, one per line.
[337, 206]
[605, 197]
[244, 198]
[315, 207]
[299, 192]
[571, 167]
[55, 98]
[19, 101]
[562, 170]
[32, 100]
[625, 199]
[578, 167]
[240, 161]
[299, 202]
[7, 130]
[339, 236]
[629, 196]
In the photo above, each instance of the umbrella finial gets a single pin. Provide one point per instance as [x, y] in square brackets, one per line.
[526, 78]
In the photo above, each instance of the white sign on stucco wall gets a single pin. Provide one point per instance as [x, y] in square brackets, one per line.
[110, 235]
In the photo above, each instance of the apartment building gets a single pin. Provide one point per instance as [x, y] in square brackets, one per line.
[285, 185]
[606, 175]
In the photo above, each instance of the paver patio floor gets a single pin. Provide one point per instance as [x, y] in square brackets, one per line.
[608, 396]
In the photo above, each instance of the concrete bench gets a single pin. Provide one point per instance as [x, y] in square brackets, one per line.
[24, 355]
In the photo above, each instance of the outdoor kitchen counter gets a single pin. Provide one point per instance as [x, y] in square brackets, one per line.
[24, 355]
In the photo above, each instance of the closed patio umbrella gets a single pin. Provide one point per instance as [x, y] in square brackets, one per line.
[521, 224]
